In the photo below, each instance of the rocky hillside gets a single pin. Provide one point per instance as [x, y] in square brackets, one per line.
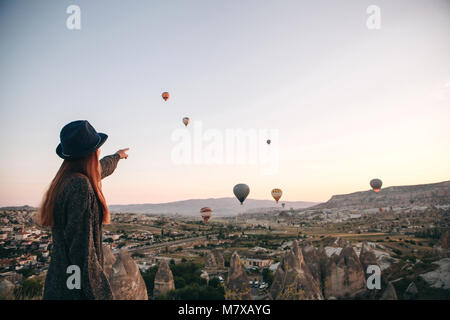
[417, 195]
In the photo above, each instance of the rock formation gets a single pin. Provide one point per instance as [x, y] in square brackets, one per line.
[389, 293]
[237, 285]
[344, 275]
[293, 279]
[410, 292]
[6, 290]
[210, 261]
[219, 259]
[367, 257]
[205, 275]
[316, 259]
[163, 279]
[341, 242]
[440, 277]
[442, 247]
[124, 276]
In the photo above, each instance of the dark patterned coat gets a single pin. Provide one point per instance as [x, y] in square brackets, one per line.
[77, 239]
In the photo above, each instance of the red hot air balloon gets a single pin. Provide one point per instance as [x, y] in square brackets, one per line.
[206, 213]
[165, 95]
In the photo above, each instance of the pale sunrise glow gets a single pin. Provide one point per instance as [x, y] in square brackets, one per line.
[349, 104]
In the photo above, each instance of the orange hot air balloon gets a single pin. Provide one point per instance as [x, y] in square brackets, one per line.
[165, 95]
[186, 121]
[206, 213]
[276, 194]
[376, 185]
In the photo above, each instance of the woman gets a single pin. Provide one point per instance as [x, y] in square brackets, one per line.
[75, 208]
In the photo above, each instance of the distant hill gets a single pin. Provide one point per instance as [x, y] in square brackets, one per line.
[220, 206]
[19, 208]
[417, 195]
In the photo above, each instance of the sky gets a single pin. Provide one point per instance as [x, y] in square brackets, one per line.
[346, 103]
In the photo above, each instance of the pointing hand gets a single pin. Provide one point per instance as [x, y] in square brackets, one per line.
[122, 153]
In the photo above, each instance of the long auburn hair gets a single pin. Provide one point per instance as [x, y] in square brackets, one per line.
[88, 166]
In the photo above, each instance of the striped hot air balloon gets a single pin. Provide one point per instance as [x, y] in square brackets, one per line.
[206, 213]
[276, 194]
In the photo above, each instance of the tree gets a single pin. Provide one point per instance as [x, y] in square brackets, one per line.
[29, 289]
[226, 261]
[215, 283]
[196, 292]
[149, 279]
[179, 282]
[267, 276]
[26, 272]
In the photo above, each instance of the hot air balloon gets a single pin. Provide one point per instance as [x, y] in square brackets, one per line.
[268, 141]
[165, 96]
[376, 184]
[206, 213]
[186, 121]
[241, 191]
[276, 194]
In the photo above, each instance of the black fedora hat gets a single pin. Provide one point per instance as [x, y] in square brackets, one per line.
[79, 139]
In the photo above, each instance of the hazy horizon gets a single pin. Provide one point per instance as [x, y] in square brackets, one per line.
[232, 197]
[349, 104]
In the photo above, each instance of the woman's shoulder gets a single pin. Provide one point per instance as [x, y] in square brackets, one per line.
[78, 183]
[74, 196]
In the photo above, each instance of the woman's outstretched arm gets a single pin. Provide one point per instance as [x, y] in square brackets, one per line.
[109, 163]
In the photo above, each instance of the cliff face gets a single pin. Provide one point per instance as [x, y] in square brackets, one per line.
[237, 286]
[424, 194]
[293, 279]
[163, 279]
[124, 276]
